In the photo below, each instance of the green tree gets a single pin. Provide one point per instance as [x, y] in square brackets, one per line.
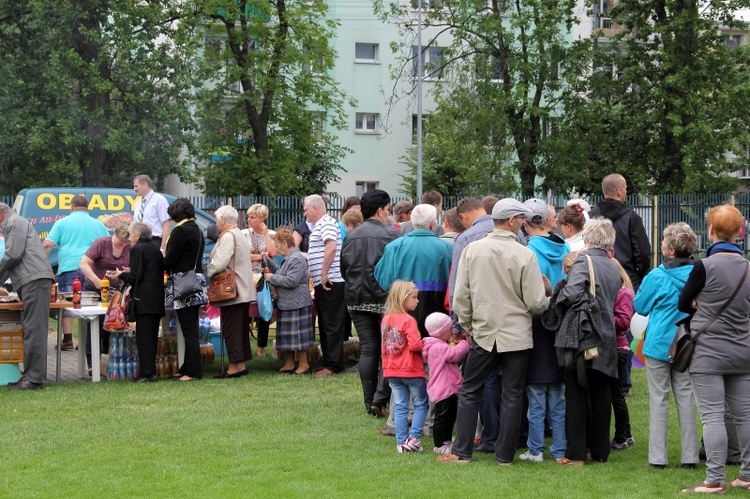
[664, 105]
[92, 92]
[265, 67]
[503, 59]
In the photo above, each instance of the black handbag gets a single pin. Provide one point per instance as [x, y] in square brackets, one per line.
[185, 284]
[683, 345]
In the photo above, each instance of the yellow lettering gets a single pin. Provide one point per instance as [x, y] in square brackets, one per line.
[64, 201]
[96, 202]
[115, 203]
[46, 201]
[132, 200]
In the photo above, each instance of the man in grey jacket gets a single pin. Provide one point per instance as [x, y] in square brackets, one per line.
[27, 265]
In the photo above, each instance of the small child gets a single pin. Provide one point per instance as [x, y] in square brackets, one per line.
[352, 219]
[402, 364]
[445, 378]
[623, 315]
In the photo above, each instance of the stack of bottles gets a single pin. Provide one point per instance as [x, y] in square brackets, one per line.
[207, 348]
[123, 357]
[166, 352]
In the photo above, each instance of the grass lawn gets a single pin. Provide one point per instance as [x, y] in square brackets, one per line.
[271, 435]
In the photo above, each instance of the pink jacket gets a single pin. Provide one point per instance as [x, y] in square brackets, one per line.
[623, 315]
[443, 359]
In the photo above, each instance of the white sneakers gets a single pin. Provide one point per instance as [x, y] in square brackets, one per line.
[411, 445]
[528, 456]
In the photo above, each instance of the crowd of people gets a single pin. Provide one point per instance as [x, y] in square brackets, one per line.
[500, 321]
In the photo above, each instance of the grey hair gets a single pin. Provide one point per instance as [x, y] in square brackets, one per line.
[423, 215]
[315, 200]
[681, 238]
[144, 179]
[599, 233]
[4, 208]
[143, 230]
[228, 213]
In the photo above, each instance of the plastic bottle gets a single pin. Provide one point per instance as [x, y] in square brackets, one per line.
[129, 368]
[53, 291]
[105, 291]
[136, 368]
[172, 324]
[77, 293]
[112, 345]
[165, 277]
[120, 369]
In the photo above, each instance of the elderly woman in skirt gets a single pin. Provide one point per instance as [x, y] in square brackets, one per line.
[294, 326]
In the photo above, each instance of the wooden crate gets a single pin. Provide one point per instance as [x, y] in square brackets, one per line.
[11, 343]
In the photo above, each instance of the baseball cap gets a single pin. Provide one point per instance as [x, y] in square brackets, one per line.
[508, 208]
[538, 209]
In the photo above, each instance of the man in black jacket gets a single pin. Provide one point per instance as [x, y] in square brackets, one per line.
[632, 247]
[361, 251]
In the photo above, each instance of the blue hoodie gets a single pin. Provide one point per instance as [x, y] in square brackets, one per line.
[657, 298]
[550, 252]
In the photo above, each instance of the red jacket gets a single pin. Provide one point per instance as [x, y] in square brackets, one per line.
[401, 346]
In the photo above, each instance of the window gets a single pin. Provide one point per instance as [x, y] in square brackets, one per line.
[432, 62]
[311, 65]
[427, 4]
[318, 119]
[362, 187]
[366, 52]
[366, 122]
[489, 67]
[734, 41]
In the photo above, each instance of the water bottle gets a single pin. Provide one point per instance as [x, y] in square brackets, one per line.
[136, 368]
[120, 345]
[112, 345]
[129, 368]
[172, 324]
[120, 369]
[110, 368]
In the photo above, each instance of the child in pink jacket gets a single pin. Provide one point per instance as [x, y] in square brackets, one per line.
[445, 379]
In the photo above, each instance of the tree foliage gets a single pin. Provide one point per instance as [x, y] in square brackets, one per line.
[664, 104]
[502, 83]
[91, 91]
[265, 66]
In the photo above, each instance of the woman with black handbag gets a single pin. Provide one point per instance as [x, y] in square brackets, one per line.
[182, 261]
[717, 294]
[145, 274]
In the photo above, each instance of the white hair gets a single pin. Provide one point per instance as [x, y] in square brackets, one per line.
[228, 213]
[599, 233]
[423, 215]
[315, 200]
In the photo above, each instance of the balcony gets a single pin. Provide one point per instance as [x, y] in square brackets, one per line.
[604, 27]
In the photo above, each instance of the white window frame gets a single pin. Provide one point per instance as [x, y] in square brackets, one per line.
[361, 122]
[427, 54]
[362, 186]
[376, 54]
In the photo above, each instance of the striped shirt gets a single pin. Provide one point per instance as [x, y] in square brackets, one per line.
[326, 229]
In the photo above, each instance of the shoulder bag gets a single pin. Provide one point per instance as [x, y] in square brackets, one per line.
[593, 352]
[223, 286]
[185, 284]
[681, 350]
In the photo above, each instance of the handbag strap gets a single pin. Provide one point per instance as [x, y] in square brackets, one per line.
[592, 279]
[723, 308]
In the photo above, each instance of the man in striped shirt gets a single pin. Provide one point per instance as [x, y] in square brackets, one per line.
[323, 260]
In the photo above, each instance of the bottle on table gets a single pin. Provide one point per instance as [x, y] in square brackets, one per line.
[105, 291]
[77, 293]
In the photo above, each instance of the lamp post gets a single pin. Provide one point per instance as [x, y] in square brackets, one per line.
[419, 99]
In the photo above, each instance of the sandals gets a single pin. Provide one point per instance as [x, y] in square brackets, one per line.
[739, 483]
[564, 461]
[706, 488]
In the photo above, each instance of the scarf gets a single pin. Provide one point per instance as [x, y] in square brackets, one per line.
[723, 247]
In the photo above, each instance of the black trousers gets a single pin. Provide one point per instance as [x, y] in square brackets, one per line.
[147, 338]
[478, 365]
[375, 389]
[263, 327]
[331, 316]
[188, 318]
[619, 405]
[445, 418]
[599, 393]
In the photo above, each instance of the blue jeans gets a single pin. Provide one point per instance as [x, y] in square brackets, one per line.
[489, 410]
[65, 280]
[402, 389]
[544, 399]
